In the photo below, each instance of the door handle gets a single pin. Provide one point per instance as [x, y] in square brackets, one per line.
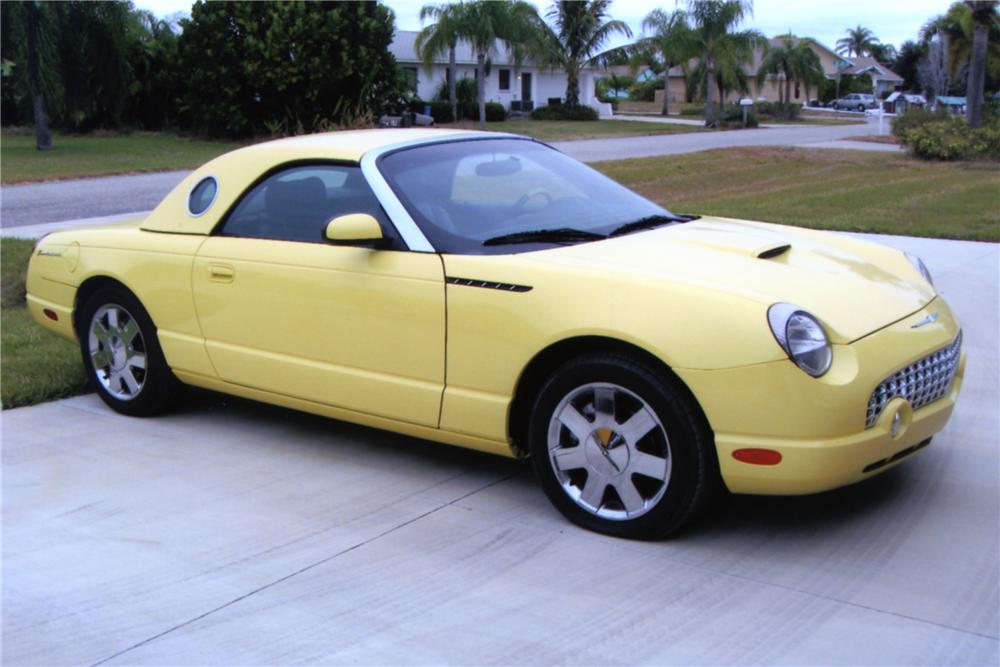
[221, 273]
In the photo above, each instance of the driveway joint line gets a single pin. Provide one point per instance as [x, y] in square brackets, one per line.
[838, 600]
[302, 570]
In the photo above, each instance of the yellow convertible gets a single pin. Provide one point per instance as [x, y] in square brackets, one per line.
[487, 291]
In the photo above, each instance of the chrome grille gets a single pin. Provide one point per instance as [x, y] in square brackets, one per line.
[920, 383]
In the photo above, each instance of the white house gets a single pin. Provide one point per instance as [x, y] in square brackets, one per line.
[517, 88]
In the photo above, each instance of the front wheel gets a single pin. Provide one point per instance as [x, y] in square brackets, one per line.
[122, 355]
[620, 449]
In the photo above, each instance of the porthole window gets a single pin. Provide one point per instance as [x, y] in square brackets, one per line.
[202, 195]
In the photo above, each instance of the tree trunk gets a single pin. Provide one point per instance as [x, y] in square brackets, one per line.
[452, 95]
[572, 86]
[481, 88]
[977, 77]
[788, 96]
[666, 87]
[709, 80]
[43, 140]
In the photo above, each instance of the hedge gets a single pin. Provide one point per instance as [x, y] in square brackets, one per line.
[579, 112]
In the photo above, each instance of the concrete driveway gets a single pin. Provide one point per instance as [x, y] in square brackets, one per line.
[235, 533]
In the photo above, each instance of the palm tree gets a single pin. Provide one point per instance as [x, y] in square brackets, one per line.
[955, 29]
[581, 29]
[859, 42]
[441, 36]
[484, 23]
[720, 47]
[983, 14]
[671, 38]
[794, 60]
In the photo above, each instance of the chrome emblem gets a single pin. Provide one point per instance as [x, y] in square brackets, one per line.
[927, 320]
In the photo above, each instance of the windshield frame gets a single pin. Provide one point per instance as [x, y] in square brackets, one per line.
[420, 222]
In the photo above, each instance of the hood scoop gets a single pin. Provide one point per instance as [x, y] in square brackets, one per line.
[773, 250]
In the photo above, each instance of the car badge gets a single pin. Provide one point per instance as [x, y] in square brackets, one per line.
[927, 320]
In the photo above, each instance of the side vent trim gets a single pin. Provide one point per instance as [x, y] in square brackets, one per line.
[487, 284]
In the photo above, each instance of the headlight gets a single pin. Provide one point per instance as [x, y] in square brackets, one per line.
[802, 338]
[919, 265]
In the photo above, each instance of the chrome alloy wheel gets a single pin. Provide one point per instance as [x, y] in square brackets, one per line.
[609, 451]
[117, 352]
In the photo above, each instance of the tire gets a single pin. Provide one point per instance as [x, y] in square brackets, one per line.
[122, 355]
[620, 449]
[861, 108]
[836, 107]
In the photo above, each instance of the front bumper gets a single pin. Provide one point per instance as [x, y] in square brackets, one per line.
[818, 424]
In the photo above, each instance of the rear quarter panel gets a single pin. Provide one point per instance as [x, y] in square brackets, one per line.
[155, 267]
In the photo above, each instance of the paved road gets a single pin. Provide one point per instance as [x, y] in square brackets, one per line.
[235, 533]
[41, 203]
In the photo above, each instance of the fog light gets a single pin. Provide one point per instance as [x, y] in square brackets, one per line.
[897, 425]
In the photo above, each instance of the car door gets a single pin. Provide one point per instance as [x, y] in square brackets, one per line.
[284, 311]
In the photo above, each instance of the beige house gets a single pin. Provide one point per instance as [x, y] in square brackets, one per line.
[833, 66]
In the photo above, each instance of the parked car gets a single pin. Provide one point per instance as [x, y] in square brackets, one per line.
[485, 290]
[855, 102]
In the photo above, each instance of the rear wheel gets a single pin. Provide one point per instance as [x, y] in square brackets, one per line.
[861, 108]
[122, 355]
[620, 449]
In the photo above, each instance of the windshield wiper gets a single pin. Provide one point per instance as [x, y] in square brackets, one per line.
[649, 222]
[559, 235]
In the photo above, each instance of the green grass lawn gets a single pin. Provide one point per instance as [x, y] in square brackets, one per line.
[35, 365]
[551, 130]
[75, 156]
[825, 189]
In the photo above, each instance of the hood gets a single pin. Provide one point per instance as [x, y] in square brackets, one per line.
[852, 286]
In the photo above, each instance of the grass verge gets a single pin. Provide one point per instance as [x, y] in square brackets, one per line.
[553, 130]
[36, 364]
[98, 154]
[856, 191]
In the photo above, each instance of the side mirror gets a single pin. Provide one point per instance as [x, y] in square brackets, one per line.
[358, 229]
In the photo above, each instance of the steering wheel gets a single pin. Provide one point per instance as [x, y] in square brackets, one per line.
[537, 192]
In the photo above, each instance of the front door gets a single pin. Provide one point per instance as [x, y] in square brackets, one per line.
[284, 311]
[526, 86]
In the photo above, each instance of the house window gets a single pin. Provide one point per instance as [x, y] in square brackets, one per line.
[411, 78]
[797, 90]
[504, 79]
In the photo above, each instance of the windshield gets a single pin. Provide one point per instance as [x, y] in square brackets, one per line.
[508, 195]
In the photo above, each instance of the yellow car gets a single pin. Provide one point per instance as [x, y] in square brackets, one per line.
[485, 290]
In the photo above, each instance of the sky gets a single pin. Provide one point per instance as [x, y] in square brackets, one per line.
[892, 21]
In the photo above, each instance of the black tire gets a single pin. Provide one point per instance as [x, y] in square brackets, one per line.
[691, 478]
[121, 383]
[861, 108]
[836, 107]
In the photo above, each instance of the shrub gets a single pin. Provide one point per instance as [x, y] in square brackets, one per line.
[243, 77]
[938, 137]
[732, 117]
[440, 111]
[777, 110]
[693, 111]
[466, 90]
[912, 119]
[645, 91]
[495, 111]
[560, 112]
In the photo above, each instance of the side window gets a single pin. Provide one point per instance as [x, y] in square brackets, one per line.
[295, 204]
